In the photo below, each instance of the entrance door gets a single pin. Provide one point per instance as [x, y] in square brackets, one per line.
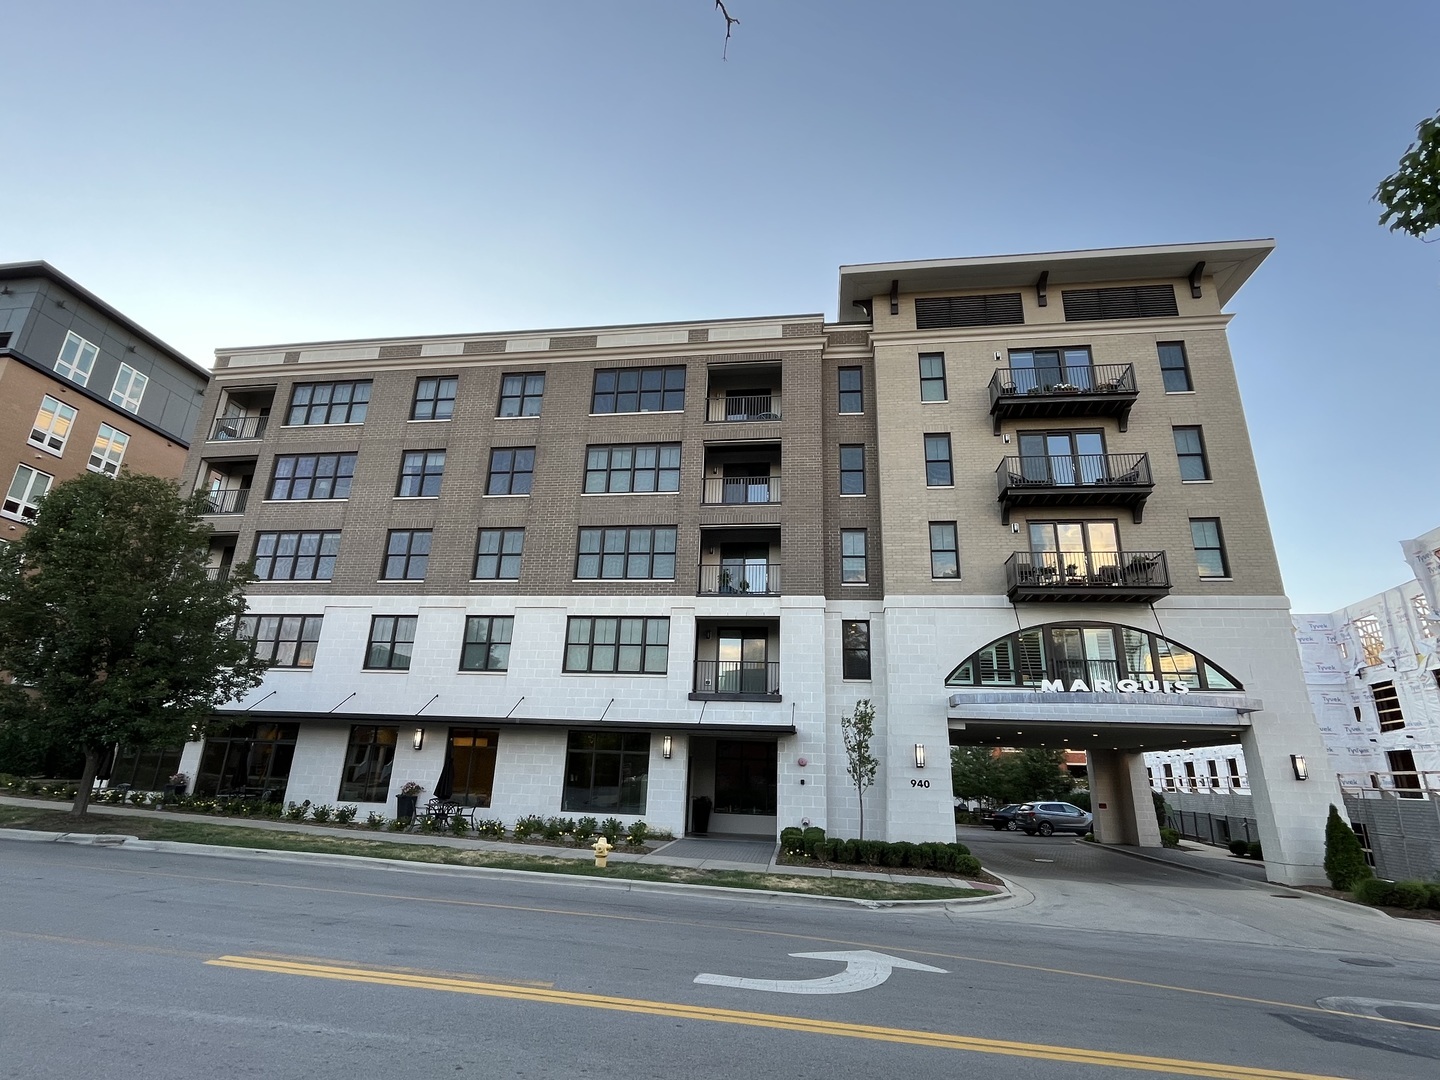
[469, 774]
[746, 483]
[742, 666]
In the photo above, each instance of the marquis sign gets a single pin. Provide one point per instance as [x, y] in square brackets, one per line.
[1106, 686]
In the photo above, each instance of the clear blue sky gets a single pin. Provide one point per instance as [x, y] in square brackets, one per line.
[265, 172]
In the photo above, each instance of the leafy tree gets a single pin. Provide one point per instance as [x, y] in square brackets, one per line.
[1345, 863]
[857, 730]
[1036, 774]
[110, 626]
[1411, 195]
[975, 773]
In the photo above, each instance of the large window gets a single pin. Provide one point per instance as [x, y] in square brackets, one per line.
[498, 553]
[852, 390]
[52, 425]
[368, 761]
[1209, 548]
[77, 358]
[512, 470]
[644, 468]
[392, 640]
[855, 650]
[108, 451]
[420, 474]
[296, 556]
[329, 403]
[944, 550]
[487, 643]
[932, 377]
[853, 568]
[629, 390]
[248, 759]
[852, 470]
[434, 398]
[1372, 641]
[129, 388]
[637, 552]
[1387, 706]
[606, 772]
[746, 777]
[313, 476]
[938, 470]
[1050, 369]
[1174, 367]
[283, 640]
[617, 646]
[407, 555]
[1190, 450]
[25, 491]
[520, 395]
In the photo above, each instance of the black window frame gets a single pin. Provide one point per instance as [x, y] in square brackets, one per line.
[938, 548]
[394, 659]
[647, 648]
[435, 395]
[1191, 456]
[612, 387]
[849, 559]
[939, 471]
[1218, 546]
[1386, 699]
[850, 471]
[500, 554]
[508, 473]
[265, 562]
[852, 394]
[1180, 370]
[406, 551]
[600, 755]
[855, 649]
[602, 538]
[284, 643]
[349, 406]
[928, 383]
[518, 392]
[609, 471]
[421, 475]
[338, 470]
[369, 764]
[493, 648]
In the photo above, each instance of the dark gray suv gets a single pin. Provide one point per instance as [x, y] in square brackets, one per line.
[1052, 817]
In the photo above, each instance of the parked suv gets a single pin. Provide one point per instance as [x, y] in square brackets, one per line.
[1050, 817]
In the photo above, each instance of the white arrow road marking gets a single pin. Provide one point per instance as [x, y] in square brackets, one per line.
[863, 969]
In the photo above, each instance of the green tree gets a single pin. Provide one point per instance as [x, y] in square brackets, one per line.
[110, 626]
[1411, 195]
[857, 730]
[1036, 774]
[1345, 863]
[975, 773]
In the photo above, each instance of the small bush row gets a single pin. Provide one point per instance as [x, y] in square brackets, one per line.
[812, 843]
[1246, 849]
[1410, 895]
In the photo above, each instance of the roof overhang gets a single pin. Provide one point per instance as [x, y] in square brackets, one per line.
[775, 731]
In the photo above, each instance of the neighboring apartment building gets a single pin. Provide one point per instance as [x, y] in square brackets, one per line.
[633, 569]
[82, 387]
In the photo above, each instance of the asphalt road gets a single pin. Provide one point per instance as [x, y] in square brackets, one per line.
[127, 963]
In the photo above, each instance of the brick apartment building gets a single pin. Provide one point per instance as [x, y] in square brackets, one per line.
[631, 569]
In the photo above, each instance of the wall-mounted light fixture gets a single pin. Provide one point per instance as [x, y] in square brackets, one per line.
[919, 755]
[419, 738]
[666, 746]
[1301, 767]
[1014, 526]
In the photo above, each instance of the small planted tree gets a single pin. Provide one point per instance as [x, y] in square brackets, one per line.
[1345, 863]
[858, 729]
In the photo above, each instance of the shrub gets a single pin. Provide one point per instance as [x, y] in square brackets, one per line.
[792, 841]
[966, 866]
[1345, 863]
[346, 814]
[896, 854]
[612, 830]
[1432, 898]
[297, 811]
[458, 825]
[399, 824]
[321, 813]
[1169, 838]
[870, 852]
[1252, 850]
[958, 848]
[812, 836]
[1240, 847]
[528, 826]
[490, 829]
[584, 829]
[374, 821]
[1410, 895]
[942, 856]
[847, 851]
[553, 830]
[639, 833]
[1377, 892]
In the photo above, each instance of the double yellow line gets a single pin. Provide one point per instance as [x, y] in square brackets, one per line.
[935, 1040]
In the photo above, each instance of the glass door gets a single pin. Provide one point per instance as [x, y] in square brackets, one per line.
[742, 655]
[1063, 458]
[1074, 549]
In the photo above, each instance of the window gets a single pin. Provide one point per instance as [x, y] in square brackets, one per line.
[855, 650]
[1209, 547]
[368, 761]
[606, 772]
[852, 390]
[129, 388]
[626, 553]
[1403, 775]
[108, 451]
[283, 640]
[256, 756]
[643, 468]
[1174, 368]
[1034, 370]
[25, 491]
[77, 357]
[512, 470]
[617, 646]
[497, 554]
[937, 461]
[932, 376]
[329, 403]
[52, 425]
[392, 640]
[1190, 449]
[312, 476]
[1423, 616]
[296, 556]
[1372, 642]
[520, 394]
[1233, 767]
[1387, 706]
[420, 474]
[944, 550]
[1063, 458]
[487, 643]
[407, 555]
[852, 556]
[434, 398]
[852, 470]
[628, 390]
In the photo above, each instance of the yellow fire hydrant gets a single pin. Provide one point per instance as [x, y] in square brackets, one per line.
[602, 849]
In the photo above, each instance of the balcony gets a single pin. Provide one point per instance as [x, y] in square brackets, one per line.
[740, 490]
[743, 408]
[1031, 393]
[1132, 577]
[744, 680]
[1077, 480]
[237, 428]
[740, 578]
[226, 501]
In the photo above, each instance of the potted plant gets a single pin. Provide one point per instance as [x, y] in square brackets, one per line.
[405, 800]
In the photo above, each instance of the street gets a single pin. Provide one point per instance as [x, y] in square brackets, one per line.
[155, 964]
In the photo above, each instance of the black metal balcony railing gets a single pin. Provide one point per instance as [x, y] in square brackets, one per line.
[738, 490]
[1090, 390]
[1078, 575]
[229, 428]
[743, 407]
[737, 677]
[227, 501]
[1075, 480]
[747, 579]
[217, 573]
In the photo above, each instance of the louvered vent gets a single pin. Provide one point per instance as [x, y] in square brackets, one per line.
[996, 309]
[1126, 302]
[5, 340]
